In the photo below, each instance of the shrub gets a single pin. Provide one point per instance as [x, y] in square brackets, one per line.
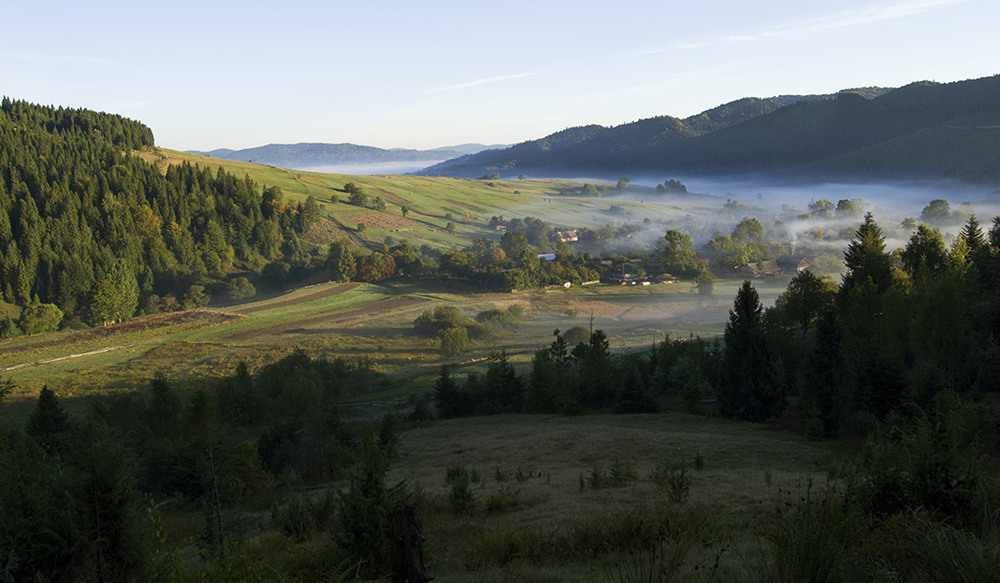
[622, 473]
[38, 318]
[501, 500]
[8, 329]
[456, 474]
[596, 479]
[454, 341]
[672, 479]
[576, 335]
[240, 288]
[294, 519]
[461, 498]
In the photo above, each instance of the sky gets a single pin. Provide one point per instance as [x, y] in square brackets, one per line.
[394, 74]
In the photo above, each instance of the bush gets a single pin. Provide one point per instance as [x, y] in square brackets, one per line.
[461, 498]
[39, 318]
[275, 273]
[454, 341]
[672, 479]
[294, 519]
[576, 335]
[240, 288]
[444, 317]
[502, 499]
[622, 473]
[8, 329]
[196, 297]
[501, 318]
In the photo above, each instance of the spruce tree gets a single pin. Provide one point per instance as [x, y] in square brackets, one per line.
[446, 394]
[751, 389]
[111, 516]
[866, 258]
[48, 422]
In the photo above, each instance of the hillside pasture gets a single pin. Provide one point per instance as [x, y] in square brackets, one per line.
[433, 203]
[534, 486]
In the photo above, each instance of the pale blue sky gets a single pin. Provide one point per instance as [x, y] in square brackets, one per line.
[208, 74]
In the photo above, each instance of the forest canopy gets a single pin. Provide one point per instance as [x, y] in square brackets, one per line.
[97, 232]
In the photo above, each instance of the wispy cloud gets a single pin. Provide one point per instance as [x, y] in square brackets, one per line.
[847, 19]
[807, 26]
[485, 81]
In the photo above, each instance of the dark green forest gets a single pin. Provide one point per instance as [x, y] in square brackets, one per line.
[922, 130]
[100, 234]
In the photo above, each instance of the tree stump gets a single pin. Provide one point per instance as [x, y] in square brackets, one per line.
[407, 546]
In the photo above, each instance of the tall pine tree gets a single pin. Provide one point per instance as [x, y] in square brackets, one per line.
[751, 389]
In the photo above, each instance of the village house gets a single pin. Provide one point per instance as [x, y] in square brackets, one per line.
[570, 236]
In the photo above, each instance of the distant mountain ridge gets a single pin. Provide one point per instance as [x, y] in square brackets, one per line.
[921, 130]
[307, 155]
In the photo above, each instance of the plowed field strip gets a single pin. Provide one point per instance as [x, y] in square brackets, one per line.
[364, 312]
[141, 324]
[59, 358]
[291, 302]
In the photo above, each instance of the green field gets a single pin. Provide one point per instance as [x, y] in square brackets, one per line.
[353, 321]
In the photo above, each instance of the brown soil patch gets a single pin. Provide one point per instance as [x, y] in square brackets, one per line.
[462, 204]
[379, 220]
[388, 195]
[201, 318]
[343, 317]
[336, 289]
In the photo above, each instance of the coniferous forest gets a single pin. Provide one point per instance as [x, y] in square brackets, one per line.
[98, 233]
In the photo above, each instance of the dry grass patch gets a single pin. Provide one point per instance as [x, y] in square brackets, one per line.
[744, 464]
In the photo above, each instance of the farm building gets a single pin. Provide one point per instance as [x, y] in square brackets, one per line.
[570, 236]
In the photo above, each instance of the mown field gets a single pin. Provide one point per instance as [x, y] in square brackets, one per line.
[353, 321]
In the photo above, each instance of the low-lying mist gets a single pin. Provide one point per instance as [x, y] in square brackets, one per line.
[793, 214]
[373, 168]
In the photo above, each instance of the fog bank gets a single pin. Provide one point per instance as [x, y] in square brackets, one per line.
[404, 167]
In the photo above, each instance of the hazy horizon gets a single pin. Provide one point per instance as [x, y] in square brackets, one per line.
[208, 75]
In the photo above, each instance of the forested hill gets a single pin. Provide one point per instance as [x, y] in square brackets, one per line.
[598, 148]
[922, 130]
[310, 155]
[92, 230]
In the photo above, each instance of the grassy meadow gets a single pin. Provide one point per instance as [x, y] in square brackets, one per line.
[534, 506]
[373, 321]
